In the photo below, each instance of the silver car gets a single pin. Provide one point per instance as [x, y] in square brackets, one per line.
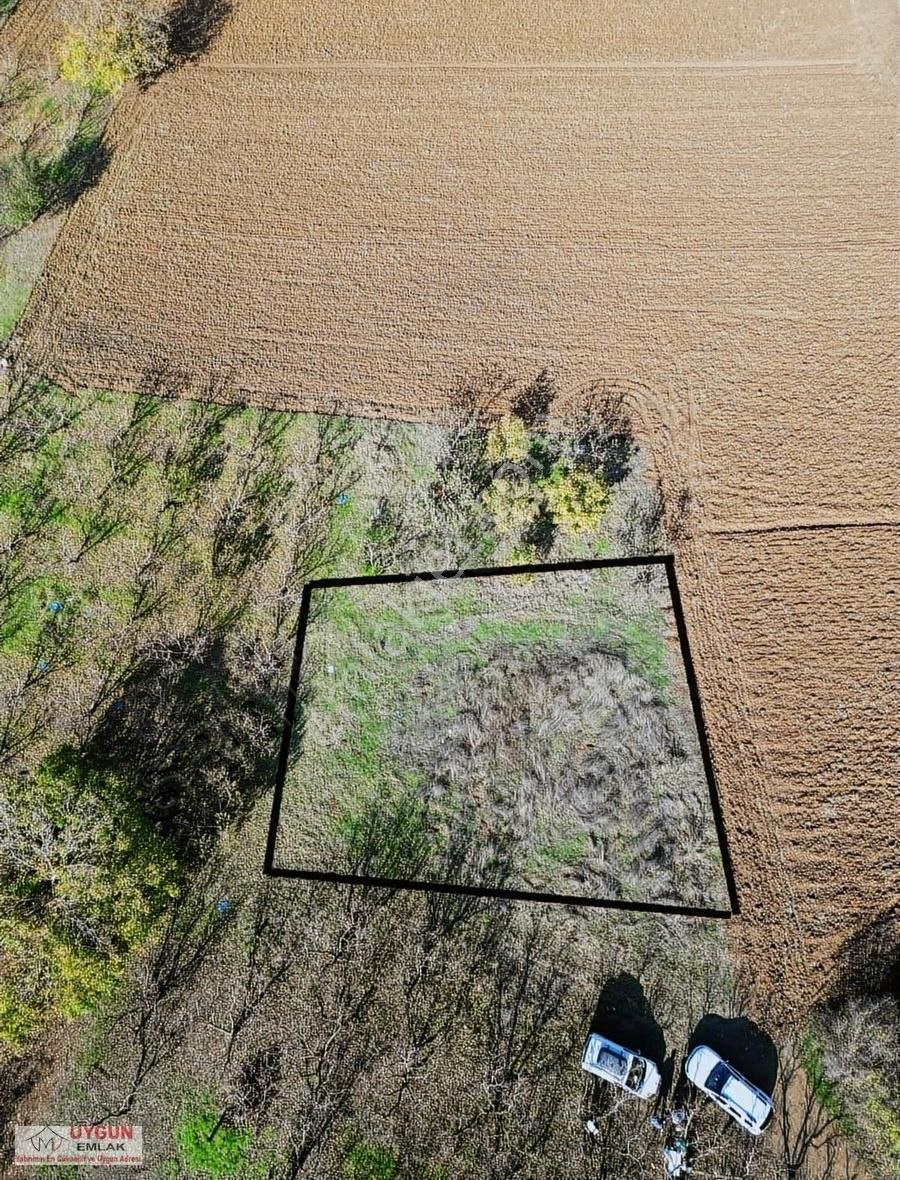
[621, 1067]
[747, 1105]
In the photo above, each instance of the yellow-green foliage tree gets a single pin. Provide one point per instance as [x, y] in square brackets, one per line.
[508, 441]
[513, 504]
[84, 879]
[124, 40]
[576, 500]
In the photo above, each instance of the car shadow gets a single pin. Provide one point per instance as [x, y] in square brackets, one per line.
[623, 1014]
[742, 1044]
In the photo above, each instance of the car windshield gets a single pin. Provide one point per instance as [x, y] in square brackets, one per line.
[612, 1063]
[718, 1078]
[636, 1075]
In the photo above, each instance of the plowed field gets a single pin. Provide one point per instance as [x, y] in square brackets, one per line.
[691, 202]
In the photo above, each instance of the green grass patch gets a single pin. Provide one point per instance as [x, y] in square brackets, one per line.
[644, 651]
[13, 297]
[29, 612]
[369, 1161]
[225, 1154]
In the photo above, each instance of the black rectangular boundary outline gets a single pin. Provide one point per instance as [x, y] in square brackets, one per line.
[668, 562]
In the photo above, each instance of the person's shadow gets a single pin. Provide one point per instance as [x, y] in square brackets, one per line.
[742, 1044]
[623, 1014]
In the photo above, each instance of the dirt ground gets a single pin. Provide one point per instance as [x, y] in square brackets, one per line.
[690, 203]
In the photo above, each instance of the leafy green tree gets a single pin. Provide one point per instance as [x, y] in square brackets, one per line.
[508, 441]
[369, 1161]
[83, 880]
[513, 504]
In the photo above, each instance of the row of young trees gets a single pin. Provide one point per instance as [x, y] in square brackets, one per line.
[143, 657]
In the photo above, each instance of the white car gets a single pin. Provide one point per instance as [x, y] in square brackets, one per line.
[620, 1066]
[741, 1099]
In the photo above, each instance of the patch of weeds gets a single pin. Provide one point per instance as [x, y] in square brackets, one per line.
[93, 1047]
[812, 1055]
[381, 537]
[386, 834]
[13, 297]
[369, 1161]
[519, 632]
[210, 1147]
[567, 852]
[465, 604]
[644, 651]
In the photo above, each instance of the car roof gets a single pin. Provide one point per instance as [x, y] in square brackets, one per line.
[742, 1095]
[701, 1061]
[600, 1042]
[736, 1091]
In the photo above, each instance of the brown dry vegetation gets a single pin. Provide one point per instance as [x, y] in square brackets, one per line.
[544, 721]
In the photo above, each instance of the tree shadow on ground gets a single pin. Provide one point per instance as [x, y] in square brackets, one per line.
[18, 1077]
[869, 961]
[605, 435]
[805, 1129]
[196, 739]
[195, 24]
[623, 1014]
[743, 1044]
[79, 167]
[533, 404]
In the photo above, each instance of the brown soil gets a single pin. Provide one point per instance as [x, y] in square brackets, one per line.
[692, 205]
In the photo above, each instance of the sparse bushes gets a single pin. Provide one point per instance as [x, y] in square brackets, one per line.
[852, 1060]
[53, 148]
[25, 184]
[124, 40]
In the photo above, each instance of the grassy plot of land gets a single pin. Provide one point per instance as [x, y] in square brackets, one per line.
[542, 718]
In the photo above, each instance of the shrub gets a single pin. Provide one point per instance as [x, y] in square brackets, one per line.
[852, 1060]
[46, 973]
[508, 441]
[25, 182]
[225, 1154]
[127, 41]
[513, 504]
[577, 500]
[369, 1161]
